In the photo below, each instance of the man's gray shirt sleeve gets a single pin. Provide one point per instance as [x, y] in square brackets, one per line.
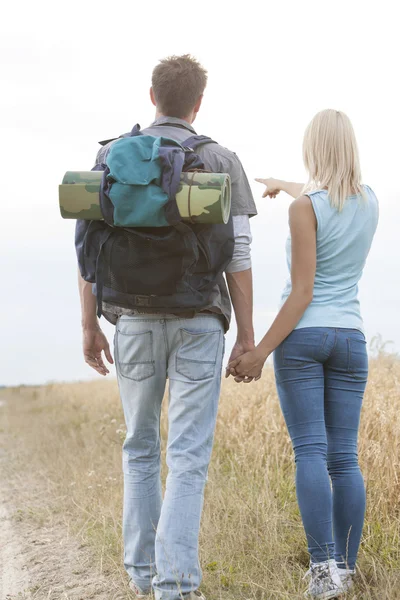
[243, 206]
[221, 160]
[242, 196]
[241, 260]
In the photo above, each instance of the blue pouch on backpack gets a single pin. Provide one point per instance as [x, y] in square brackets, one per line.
[141, 178]
[135, 173]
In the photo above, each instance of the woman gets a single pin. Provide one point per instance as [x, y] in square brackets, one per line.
[320, 356]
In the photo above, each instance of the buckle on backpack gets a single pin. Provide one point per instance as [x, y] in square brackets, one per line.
[188, 149]
[142, 301]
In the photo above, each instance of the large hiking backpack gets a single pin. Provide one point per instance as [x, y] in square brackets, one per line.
[171, 267]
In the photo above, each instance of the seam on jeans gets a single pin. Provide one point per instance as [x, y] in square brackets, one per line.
[195, 379]
[198, 333]
[348, 355]
[199, 362]
[158, 316]
[334, 343]
[116, 357]
[165, 334]
[323, 342]
[138, 362]
[134, 334]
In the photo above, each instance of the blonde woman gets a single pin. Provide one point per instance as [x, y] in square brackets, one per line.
[320, 357]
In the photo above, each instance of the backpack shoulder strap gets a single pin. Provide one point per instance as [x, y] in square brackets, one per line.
[135, 131]
[194, 141]
[191, 142]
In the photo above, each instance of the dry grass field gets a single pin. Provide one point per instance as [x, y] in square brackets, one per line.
[63, 467]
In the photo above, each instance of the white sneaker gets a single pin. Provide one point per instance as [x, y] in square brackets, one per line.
[325, 581]
[347, 578]
[137, 591]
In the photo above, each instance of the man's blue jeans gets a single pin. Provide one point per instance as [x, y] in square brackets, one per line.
[321, 374]
[161, 535]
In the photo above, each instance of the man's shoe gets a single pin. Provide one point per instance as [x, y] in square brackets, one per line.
[137, 591]
[196, 595]
[347, 578]
[325, 581]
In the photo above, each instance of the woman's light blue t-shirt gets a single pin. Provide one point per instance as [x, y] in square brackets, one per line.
[343, 243]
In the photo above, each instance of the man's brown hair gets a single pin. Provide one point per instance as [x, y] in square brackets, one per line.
[178, 82]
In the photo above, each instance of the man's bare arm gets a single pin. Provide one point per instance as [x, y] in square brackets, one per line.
[241, 290]
[240, 286]
[88, 304]
[94, 340]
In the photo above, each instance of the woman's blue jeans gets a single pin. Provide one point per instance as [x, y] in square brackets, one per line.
[321, 374]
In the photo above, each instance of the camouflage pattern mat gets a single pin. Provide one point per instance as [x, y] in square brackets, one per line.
[201, 197]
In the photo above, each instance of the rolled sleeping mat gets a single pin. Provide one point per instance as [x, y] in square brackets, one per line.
[204, 197]
[201, 197]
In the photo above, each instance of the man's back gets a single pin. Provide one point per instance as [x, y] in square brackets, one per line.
[217, 159]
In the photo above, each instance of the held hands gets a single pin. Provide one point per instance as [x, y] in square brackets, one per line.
[247, 367]
[94, 343]
[239, 349]
[272, 187]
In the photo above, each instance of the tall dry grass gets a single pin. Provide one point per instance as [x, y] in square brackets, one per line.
[64, 443]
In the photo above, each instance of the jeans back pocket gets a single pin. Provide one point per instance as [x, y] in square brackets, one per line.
[197, 355]
[301, 348]
[357, 364]
[135, 355]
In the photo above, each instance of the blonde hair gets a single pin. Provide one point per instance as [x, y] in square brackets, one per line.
[330, 156]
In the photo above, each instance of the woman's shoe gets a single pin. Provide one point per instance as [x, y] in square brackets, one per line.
[325, 581]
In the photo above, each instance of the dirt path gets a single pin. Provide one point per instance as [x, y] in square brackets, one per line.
[38, 562]
[13, 575]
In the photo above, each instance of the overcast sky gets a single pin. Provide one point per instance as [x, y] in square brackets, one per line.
[78, 72]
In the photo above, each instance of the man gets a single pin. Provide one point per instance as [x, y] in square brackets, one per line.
[161, 535]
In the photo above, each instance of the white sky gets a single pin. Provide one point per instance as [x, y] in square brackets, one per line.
[74, 73]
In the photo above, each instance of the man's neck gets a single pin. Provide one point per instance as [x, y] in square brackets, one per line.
[187, 119]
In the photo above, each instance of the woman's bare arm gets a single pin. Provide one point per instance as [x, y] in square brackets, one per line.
[303, 227]
[274, 186]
